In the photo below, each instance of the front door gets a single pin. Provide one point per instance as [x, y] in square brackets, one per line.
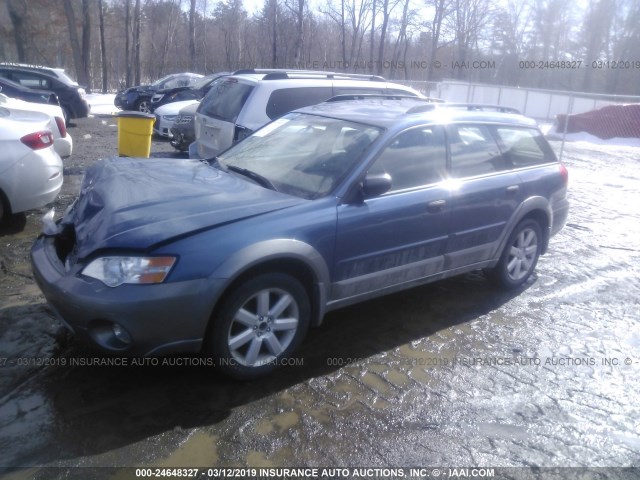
[401, 236]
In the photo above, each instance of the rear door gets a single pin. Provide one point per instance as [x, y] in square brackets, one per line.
[398, 237]
[485, 194]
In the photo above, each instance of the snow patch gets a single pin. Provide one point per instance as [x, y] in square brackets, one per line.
[102, 104]
[583, 137]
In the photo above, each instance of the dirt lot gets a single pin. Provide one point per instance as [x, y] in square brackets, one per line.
[451, 374]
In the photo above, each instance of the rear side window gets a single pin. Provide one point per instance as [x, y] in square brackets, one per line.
[473, 151]
[31, 80]
[525, 147]
[225, 101]
[414, 158]
[286, 100]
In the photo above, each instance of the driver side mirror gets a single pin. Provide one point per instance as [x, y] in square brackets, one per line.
[376, 184]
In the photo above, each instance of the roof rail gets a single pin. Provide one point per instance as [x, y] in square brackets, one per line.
[282, 74]
[482, 107]
[382, 96]
[472, 107]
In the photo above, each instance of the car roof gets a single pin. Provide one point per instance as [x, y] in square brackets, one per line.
[57, 74]
[388, 111]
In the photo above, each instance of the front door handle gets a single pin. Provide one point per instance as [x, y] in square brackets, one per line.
[513, 189]
[436, 206]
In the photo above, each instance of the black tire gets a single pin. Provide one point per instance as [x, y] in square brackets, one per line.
[520, 255]
[5, 211]
[67, 116]
[143, 106]
[260, 324]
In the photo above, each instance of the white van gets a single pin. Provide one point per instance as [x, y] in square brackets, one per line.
[249, 99]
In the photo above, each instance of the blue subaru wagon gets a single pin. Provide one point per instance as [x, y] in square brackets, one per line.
[330, 205]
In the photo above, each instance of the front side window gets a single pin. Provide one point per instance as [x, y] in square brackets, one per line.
[525, 147]
[473, 151]
[300, 154]
[414, 158]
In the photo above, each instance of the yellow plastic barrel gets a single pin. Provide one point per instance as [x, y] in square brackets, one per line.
[134, 134]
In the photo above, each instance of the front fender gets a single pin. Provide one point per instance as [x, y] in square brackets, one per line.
[272, 250]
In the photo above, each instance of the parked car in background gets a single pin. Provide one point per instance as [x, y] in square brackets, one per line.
[248, 99]
[62, 141]
[15, 90]
[139, 97]
[58, 73]
[183, 129]
[166, 115]
[195, 91]
[30, 169]
[70, 95]
[325, 207]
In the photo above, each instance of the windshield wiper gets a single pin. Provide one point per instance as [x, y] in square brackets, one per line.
[214, 162]
[256, 177]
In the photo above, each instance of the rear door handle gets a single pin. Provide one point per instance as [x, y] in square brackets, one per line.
[513, 189]
[436, 206]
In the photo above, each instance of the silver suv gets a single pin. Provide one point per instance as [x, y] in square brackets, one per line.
[250, 99]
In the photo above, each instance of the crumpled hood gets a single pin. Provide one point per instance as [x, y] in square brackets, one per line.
[138, 203]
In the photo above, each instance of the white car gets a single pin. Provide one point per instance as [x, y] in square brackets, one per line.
[62, 141]
[166, 115]
[30, 169]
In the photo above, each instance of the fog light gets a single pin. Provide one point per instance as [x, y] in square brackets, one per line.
[121, 334]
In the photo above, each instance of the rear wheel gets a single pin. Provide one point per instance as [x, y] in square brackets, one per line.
[520, 255]
[67, 116]
[260, 325]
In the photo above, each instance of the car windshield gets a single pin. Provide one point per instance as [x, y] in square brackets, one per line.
[204, 81]
[161, 81]
[300, 154]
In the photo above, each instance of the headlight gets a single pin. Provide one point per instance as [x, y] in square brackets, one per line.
[114, 271]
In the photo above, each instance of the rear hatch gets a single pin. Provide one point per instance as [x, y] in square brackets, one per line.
[215, 122]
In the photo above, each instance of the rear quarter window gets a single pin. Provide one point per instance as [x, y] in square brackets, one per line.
[524, 147]
[286, 100]
[225, 100]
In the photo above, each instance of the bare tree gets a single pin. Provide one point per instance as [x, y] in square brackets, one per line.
[596, 31]
[192, 35]
[358, 18]
[441, 11]
[79, 58]
[86, 44]
[18, 15]
[339, 17]
[137, 20]
[372, 38]
[470, 17]
[127, 48]
[103, 48]
[387, 8]
[297, 9]
[401, 41]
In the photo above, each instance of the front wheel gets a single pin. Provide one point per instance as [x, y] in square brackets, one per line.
[143, 106]
[260, 324]
[520, 255]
